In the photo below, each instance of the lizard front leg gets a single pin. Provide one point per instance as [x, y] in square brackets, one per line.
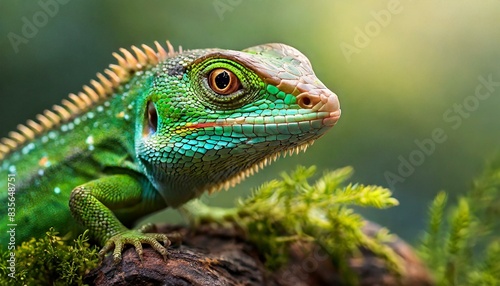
[95, 203]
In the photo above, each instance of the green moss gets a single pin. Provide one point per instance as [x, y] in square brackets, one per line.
[51, 260]
[462, 244]
[291, 209]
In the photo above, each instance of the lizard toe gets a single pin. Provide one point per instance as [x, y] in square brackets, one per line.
[135, 238]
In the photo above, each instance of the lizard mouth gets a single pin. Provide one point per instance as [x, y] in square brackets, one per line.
[316, 120]
[332, 118]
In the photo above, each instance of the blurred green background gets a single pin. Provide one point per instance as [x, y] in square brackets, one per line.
[397, 66]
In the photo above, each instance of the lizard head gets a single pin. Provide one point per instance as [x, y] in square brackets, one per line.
[215, 116]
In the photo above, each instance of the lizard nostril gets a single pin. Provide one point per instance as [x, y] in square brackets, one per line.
[152, 119]
[304, 102]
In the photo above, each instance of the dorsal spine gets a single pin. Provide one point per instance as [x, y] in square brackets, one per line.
[101, 90]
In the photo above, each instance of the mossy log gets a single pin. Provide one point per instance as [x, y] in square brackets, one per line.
[215, 255]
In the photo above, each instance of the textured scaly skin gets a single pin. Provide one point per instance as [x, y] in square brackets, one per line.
[158, 130]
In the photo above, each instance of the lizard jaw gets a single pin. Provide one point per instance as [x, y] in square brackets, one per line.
[238, 178]
[332, 119]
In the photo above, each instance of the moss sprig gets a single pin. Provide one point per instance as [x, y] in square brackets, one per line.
[462, 243]
[51, 260]
[292, 209]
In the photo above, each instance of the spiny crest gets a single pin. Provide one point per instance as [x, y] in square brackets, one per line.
[100, 90]
[236, 179]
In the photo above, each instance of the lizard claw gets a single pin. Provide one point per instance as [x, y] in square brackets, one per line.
[136, 238]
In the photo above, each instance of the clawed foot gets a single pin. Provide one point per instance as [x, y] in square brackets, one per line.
[136, 238]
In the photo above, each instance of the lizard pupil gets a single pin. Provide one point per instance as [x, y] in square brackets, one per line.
[223, 81]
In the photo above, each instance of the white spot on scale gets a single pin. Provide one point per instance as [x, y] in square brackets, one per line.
[28, 148]
[40, 172]
[64, 128]
[106, 103]
[52, 135]
[45, 139]
[77, 121]
[90, 115]
[12, 169]
[71, 125]
[100, 108]
[57, 190]
[90, 140]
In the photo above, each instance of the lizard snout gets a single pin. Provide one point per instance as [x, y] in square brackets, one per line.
[320, 100]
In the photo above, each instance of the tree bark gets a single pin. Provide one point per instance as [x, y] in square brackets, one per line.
[214, 255]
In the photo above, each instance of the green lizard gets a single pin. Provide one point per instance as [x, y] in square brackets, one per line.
[157, 130]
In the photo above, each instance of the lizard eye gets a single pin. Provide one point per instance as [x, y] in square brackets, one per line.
[223, 81]
[223, 84]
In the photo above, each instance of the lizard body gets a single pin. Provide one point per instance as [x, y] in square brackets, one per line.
[157, 130]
